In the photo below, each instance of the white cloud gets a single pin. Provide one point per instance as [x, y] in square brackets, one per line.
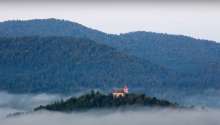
[145, 117]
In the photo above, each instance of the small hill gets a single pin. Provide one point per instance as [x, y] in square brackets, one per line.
[97, 100]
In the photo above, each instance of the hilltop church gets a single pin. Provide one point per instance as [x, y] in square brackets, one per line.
[120, 92]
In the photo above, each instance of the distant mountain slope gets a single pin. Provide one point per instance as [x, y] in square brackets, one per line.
[198, 61]
[52, 27]
[47, 27]
[197, 58]
[68, 65]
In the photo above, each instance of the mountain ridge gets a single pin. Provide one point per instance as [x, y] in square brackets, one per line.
[93, 29]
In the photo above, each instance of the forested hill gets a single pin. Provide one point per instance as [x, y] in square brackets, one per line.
[69, 65]
[47, 27]
[97, 100]
[199, 60]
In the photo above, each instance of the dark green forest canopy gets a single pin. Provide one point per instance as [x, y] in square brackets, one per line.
[68, 65]
[97, 100]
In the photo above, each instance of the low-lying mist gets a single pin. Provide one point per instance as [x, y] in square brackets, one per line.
[144, 117]
[26, 101]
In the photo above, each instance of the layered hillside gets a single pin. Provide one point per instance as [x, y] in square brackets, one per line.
[68, 65]
[196, 59]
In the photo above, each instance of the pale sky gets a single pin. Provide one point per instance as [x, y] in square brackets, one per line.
[196, 19]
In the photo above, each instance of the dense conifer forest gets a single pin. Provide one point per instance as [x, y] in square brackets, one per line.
[97, 100]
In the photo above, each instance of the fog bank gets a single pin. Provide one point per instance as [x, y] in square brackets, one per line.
[150, 117]
[25, 101]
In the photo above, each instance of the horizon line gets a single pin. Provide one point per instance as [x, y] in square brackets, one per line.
[118, 34]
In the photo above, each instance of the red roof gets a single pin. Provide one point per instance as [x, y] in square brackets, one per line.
[118, 91]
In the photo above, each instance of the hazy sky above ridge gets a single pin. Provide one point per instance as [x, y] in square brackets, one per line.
[196, 19]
